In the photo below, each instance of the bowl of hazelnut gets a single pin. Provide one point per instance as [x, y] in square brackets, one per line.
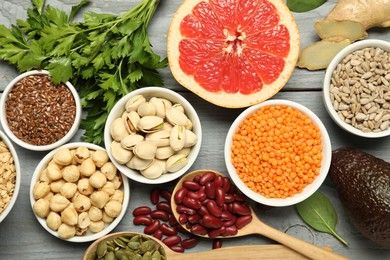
[77, 194]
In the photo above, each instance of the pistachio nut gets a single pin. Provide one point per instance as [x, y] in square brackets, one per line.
[137, 163]
[145, 150]
[122, 156]
[162, 105]
[130, 140]
[150, 124]
[133, 103]
[146, 109]
[160, 138]
[177, 137]
[131, 121]
[176, 162]
[164, 153]
[118, 129]
[153, 171]
[191, 138]
[176, 116]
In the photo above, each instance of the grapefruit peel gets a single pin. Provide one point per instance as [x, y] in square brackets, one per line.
[258, 54]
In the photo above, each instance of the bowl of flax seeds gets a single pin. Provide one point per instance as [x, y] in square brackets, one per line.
[38, 114]
[356, 89]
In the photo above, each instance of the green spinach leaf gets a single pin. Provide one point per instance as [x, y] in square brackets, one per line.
[300, 6]
[318, 212]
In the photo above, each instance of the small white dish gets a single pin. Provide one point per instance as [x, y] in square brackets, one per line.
[4, 122]
[89, 236]
[310, 188]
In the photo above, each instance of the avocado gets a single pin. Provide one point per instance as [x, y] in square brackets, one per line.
[363, 184]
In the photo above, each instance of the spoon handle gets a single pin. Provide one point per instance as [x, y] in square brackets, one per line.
[241, 252]
[303, 247]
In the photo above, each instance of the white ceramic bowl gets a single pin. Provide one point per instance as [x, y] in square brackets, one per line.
[149, 92]
[15, 194]
[385, 45]
[4, 122]
[310, 188]
[89, 236]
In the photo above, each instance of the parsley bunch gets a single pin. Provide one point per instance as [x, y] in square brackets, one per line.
[105, 56]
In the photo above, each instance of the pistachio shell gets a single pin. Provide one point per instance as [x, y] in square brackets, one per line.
[162, 164]
[145, 150]
[176, 162]
[162, 105]
[191, 138]
[177, 137]
[189, 125]
[122, 156]
[150, 124]
[178, 107]
[118, 130]
[164, 153]
[167, 127]
[131, 121]
[176, 117]
[153, 171]
[160, 138]
[186, 151]
[130, 141]
[133, 103]
[137, 163]
[146, 109]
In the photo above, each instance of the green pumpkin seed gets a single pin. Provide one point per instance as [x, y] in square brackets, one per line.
[120, 243]
[101, 249]
[109, 256]
[134, 245]
[147, 246]
[135, 238]
[156, 255]
[147, 256]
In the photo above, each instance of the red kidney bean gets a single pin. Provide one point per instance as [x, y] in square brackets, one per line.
[230, 231]
[207, 177]
[230, 222]
[194, 218]
[226, 184]
[159, 214]
[158, 234]
[239, 197]
[196, 178]
[191, 185]
[230, 208]
[241, 208]
[171, 240]
[142, 210]
[152, 227]
[203, 211]
[220, 196]
[213, 233]
[177, 248]
[210, 190]
[181, 229]
[183, 218]
[200, 196]
[213, 208]
[209, 221]
[218, 182]
[180, 194]
[191, 203]
[243, 221]
[165, 206]
[185, 210]
[172, 221]
[226, 215]
[166, 194]
[233, 189]
[168, 230]
[188, 225]
[229, 198]
[198, 229]
[217, 243]
[142, 220]
[189, 242]
[154, 195]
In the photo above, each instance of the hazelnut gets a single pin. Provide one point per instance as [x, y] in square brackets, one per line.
[83, 220]
[96, 226]
[106, 218]
[97, 180]
[100, 157]
[84, 187]
[81, 202]
[68, 190]
[109, 170]
[53, 220]
[43, 176]
[42, 208]
[87, 167]
[95, 214]
[63, 157]
[117, 181]
[71, 173]
[113, 208]
[109, 188]
[55, 186]
[81, 154]
[53, 172]
[66, 231]
[99, 198]
[58, 203]
[41, 189]
[69, 215]
[118, 196]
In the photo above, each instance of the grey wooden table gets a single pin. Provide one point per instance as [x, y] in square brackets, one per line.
[22, 237]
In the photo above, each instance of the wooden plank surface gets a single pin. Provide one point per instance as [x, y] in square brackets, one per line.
[22, 237]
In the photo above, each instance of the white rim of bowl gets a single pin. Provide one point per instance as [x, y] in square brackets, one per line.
[309, 189]
[84, 238]
[326, 85]
[63, 140]
[162, 92]
[15, 195]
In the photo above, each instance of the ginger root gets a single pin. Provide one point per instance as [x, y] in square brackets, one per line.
[349, 19]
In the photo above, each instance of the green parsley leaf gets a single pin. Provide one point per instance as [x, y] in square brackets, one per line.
[38, 5]
[75, 9]
[300, 6]
[60, 69]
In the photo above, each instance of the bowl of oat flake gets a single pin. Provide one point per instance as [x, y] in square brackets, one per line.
[356, 88]
[37, 114]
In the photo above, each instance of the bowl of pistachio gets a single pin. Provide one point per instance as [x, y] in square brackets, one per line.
[153, 135]
[77, 194]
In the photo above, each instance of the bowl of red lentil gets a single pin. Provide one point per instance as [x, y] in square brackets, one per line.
[356, 89]
[37, 114]
[278, 152]
[10, 176]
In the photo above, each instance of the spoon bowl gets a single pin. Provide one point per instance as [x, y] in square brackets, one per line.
[256, 226]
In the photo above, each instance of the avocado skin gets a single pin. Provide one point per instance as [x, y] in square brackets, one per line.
[363, 183]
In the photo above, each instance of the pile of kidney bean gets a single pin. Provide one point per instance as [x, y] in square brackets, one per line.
[162, 224]
[210, 204]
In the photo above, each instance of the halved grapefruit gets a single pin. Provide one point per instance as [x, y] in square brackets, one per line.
[233, 53]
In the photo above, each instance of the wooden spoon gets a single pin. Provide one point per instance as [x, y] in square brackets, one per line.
[234, 252]
[256, 226]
